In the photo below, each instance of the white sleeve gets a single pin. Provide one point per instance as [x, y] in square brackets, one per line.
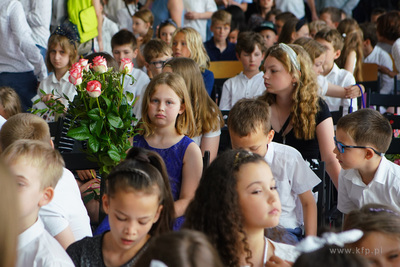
[226, 96]
[345, 204]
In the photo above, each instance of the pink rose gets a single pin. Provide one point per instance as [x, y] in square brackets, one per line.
[93, 88]
[100, 64]
[125, 66]
[84, 64]
[75, 74]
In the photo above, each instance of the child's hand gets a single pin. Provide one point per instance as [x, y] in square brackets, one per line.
[192, 15]
[385, 70]
[47, 97]
[86, 174]
[353, 91]
[276, 261]
[139, 41]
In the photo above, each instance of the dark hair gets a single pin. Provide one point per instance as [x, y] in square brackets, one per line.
[247, 42]
[124, 37]
[285, 16]
[165, 23]
[388, 25]
[111, 62]
[238, 17]
[369, 32]
[367, 127]
[332, 256]
[217, 212]
[288, 28]
[184, 248]
[336, 13]
[144, 170]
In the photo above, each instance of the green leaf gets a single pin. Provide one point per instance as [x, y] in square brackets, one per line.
[114, 120]
[114, 155]
[106, 100]
[94, 114]
[94, 144]
[81, 133]
[129, 96]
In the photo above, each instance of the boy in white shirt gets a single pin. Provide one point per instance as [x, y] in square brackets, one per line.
[332, 40]
[65, 217]
[124, 45]
[249, 125]
[37, 168]
[250, 50]
[367, 176]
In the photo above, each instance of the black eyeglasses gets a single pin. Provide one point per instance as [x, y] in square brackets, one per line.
[159, 64]
[340, 147]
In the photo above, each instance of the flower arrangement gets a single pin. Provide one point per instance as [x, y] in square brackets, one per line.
[101, 111]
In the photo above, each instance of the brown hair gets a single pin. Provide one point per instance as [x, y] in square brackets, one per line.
[221, 16]
[39, 155]
[9, 217]
[66, 45]
[288, 28]
[336, 14]
[332, 36]
[146, 15]
[247, 115]
[305, 97]
[388, 25]
[367, 127]
[124, 37]
[185, 123]
[24, 126]
[206, 113]
[10, 101]
[184, 248]
[312, 47]
[156, 48]
[247, 42]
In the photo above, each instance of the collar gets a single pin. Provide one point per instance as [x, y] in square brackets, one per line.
[31, 233]
[64, 78]
[269, 156]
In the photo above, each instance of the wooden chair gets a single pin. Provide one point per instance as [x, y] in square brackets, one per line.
[223, 70]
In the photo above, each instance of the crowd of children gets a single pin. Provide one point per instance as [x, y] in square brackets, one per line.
[165, 205]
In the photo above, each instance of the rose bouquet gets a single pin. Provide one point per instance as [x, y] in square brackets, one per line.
[101, 112]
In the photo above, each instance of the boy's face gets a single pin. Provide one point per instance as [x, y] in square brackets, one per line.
[220, 31]
[156, 64]
[124, 51]
[256, 142]
[30, 195]
[251, 61]
[351, 158]
[328, 20]
[318, 66]
[233, 35]
[270, 37]
[331, 55]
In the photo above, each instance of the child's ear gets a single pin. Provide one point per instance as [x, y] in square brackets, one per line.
[182, 109]
[106, 203]
[337, 54]
[270, 136]
[157, 216]
[135, 52]
[370, 153]
[47, 196]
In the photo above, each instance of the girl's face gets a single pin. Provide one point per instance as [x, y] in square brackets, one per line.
[165, 105]
[131, 216]
[166, 33]
[318, 66]
[276, 78]
[140, 27]
[233, 35]
[258, 199]
[382, 250]
[304, 31]
[267, 4]
[179, 46]
[59, 58]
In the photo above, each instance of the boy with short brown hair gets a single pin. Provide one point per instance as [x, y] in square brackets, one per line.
[156, 52]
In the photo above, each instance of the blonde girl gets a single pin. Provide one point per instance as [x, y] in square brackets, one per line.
[139, 204]
[61, 54]
[235, 201]
[207, 115]
[351, 57]
[166, 30]
[168, 124]
[317, 54]
[143, 29]
[187, 42]
[299, 117]
[380, 243]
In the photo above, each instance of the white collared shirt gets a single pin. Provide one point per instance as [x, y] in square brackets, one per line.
[381, 57]
[240, 87]
[137, 88]
[383, 189]
[36, 247]
[293, 177]
[18, 52]
[342, 78]
[203, 6]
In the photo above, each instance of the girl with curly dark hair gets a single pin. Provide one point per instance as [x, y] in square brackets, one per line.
[235, 201]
